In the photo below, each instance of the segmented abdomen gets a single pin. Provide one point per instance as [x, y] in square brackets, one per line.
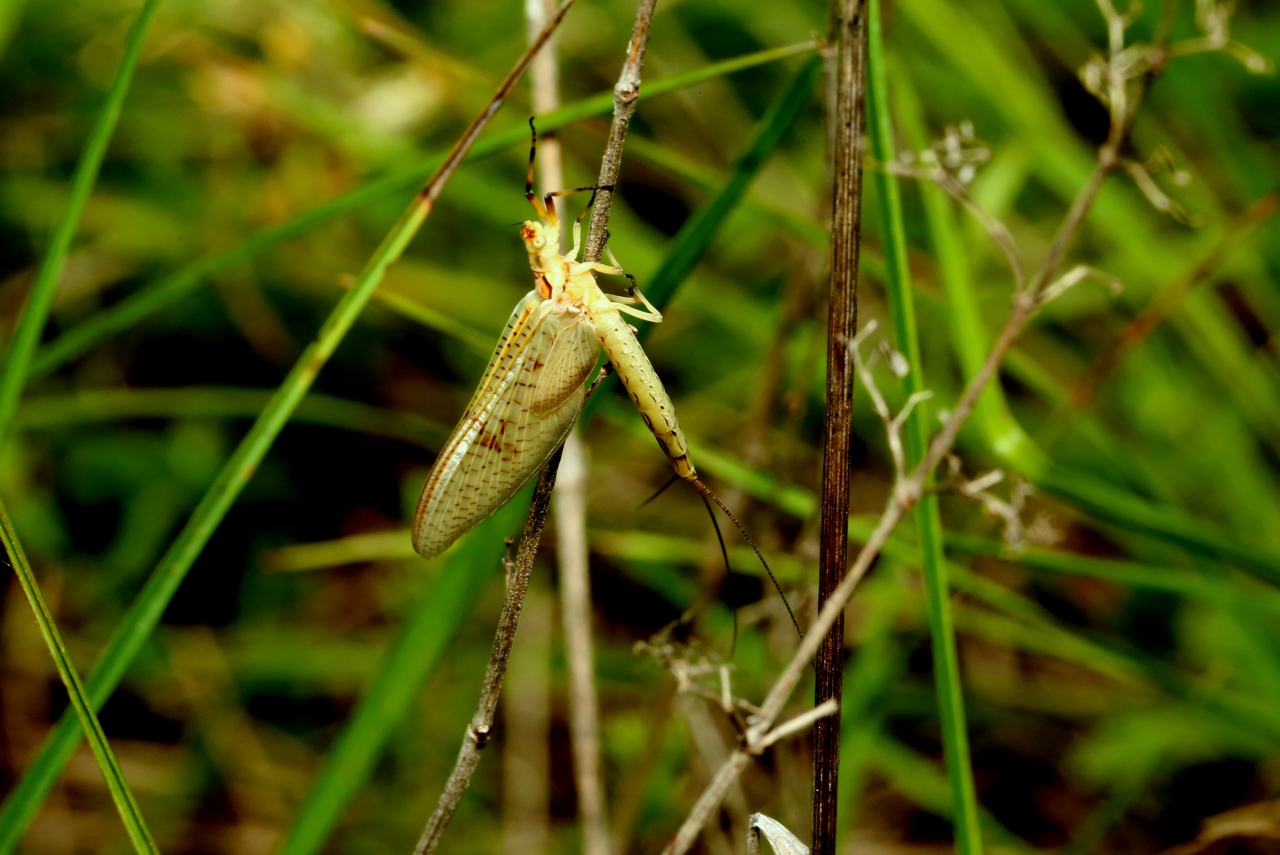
[643, 385]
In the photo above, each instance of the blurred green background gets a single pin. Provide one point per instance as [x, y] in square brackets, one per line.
[1121, 661]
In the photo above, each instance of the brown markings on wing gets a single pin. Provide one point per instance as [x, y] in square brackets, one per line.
[502, 441]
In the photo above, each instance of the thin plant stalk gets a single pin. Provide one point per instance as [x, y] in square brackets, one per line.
[150, 604]
[526, 745]
[481, 726]
[842, 322]
[571, 522]
[626, 95]
[526, 713]
[126, 804]
[423, 642]
[946, 666]
[13, 376]
[575, 614]
[152, 298]
[908, 491]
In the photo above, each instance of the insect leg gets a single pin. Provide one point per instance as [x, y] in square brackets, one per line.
[633, 292]
[577, 224]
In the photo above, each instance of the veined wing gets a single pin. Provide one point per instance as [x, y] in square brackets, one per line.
[525, 405]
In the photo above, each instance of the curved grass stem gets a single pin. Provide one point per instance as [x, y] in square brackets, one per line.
[149, 606]
[13, 376]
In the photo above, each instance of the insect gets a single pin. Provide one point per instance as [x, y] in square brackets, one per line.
[535, 385]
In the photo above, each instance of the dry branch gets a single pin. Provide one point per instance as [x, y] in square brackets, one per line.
[626, 93]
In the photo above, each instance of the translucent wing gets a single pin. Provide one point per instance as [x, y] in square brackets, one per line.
[529, 397]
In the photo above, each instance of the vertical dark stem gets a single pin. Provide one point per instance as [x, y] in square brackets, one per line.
[846, 226]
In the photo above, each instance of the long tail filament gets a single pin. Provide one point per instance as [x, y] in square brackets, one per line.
[708, 494]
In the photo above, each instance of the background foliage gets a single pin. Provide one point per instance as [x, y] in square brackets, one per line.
[1122, 682]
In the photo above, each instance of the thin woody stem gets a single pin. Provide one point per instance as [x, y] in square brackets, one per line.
[849, 118]
[526, 758]
[480, 728]
[575, 611]
[626, 93]
[907, 492]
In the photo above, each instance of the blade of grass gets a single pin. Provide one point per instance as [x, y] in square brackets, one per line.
[154, 297]
[1011, 444]
[334, 789]
[393, 690]
[801, 503]
[13, 376]
[946, 665]
[147, 609]
[126, 804]
[970, 338]
[195, 402]
[1062, 161]
[695, 236]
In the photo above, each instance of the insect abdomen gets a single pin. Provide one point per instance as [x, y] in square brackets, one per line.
[644, 386]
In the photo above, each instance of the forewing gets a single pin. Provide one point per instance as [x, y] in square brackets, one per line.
[572, 356]
[502, 439]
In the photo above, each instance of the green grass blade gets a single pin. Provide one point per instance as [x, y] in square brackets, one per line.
[214, 402]
[171, 288]
[415, 654]
[391, 693]
[1104, 502]
[946, 665]
[147, 609]
[991, 416]
[13, 376]
[126, 804]
[695, 236]
[1005, 436]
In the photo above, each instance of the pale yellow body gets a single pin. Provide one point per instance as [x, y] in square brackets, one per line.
[642, 384]
[534, 387]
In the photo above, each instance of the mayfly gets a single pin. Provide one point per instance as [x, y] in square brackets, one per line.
[535, 385]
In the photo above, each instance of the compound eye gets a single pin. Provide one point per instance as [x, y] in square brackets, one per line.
[539, 242]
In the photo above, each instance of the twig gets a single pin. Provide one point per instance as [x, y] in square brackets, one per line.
[171, 569]
[575, 613]
[626, 92]
[526, 714]
[1162, 305]
[706, 805]
[907, 492]
[480, 728]
[842, 324]
[727, 775]
[526, 753]
[712, 749]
